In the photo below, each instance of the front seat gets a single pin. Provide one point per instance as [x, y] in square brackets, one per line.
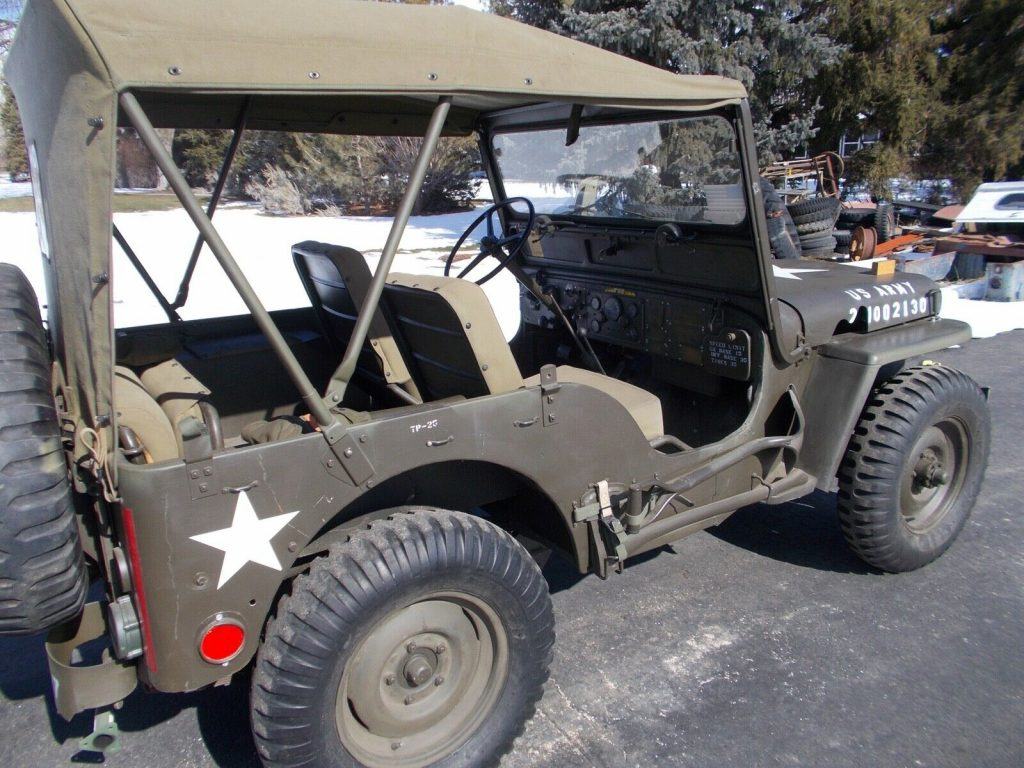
[457, 348]
[336, 280]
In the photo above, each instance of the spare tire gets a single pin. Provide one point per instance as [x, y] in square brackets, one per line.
[42, 574]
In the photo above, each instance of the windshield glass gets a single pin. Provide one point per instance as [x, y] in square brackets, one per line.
[670, 170]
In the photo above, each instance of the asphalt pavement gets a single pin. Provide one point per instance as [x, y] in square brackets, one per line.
[762, 642]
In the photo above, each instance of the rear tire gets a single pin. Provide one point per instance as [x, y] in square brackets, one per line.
[379, 656]
[914, 467]
[42, 575]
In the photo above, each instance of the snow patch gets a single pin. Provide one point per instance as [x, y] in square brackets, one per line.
[986, 318]
[10, 189]
[261, 245]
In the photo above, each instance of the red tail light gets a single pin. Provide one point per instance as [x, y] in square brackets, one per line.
[222, 641]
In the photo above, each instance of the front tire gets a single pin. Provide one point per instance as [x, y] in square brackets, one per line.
[914, 467]
[423, 640]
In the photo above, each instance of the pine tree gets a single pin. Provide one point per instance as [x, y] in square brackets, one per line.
[887, 80]
[980, 135]
[771, 46]
[537, 13]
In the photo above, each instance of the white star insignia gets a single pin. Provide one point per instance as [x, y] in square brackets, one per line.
[247, 540]
[791, 274]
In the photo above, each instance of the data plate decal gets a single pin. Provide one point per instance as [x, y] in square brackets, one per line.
[728, 354]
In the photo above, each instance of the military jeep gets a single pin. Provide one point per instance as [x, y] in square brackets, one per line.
[345, 496]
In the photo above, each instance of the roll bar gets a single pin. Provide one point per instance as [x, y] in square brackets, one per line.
[320, 408]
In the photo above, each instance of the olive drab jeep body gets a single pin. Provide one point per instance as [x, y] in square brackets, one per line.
[340, 494]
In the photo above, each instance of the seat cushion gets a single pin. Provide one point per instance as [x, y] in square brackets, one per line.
[137, 410]
[644, 407]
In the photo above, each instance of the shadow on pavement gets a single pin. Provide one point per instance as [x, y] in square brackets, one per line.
[222, 713]
[804, 532]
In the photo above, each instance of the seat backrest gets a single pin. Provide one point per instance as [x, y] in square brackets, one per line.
[453, 337]
[337, 280]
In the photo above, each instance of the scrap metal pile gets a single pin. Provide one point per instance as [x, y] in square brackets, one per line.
[978, 248]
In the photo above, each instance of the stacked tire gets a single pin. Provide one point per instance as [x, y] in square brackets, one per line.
[881, 218]
[815, 220]
[782, 232]
[42, 574]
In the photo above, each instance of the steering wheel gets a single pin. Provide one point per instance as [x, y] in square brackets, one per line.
[502, 247]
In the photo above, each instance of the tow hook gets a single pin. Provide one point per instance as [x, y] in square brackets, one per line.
[105, 737]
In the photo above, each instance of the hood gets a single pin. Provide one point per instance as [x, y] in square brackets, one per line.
[834, 298]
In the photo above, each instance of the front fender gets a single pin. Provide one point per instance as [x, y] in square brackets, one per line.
[845, 372]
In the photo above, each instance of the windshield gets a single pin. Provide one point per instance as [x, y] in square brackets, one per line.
[670, 170]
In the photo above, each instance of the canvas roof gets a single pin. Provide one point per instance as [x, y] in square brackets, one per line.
[359, 46]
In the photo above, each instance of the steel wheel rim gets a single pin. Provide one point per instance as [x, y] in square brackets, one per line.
[934, 474]
[422, 681]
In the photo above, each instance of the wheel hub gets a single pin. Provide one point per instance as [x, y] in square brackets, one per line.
[933, 478]
[420, 682]
[419, 668]
[929, 471]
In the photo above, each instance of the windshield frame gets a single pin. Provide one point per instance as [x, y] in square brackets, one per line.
[515, 124]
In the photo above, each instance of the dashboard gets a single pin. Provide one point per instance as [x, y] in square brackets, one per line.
[683, 329]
